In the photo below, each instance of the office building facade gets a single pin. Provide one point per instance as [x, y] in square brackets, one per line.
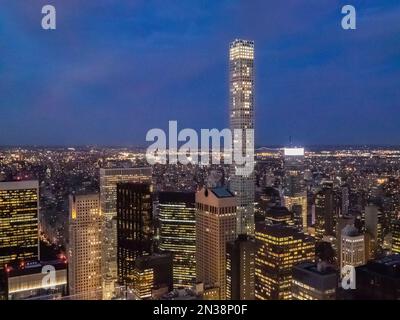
[177, 217]
[278, 249]
[19, 220]
[84, 247]
[314, 282]
[135, 227]
[109, 178]
[215, 226]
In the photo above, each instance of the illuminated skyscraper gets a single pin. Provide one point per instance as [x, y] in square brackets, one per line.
[177, 216]
[374, 228]
[295, 193]
[352, 249]
[325, 219]
[278, 249]
[241, 89]
[215, 226]
[135, 228]
[109, 177]
[19, 237]
[240, 255]
[84, 247]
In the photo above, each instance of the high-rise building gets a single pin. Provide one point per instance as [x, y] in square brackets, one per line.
[215, 226]
[294, 190]
[240, 256]
[325, 219]
[135, 228]
[109, 178]
[152, 272]
[177, 216]
[278, 249]
[374, 228]
[84, 247]
[19, 235]
[241, 92]
[352, 252]
[396, 237]
[314, 282]
[341, 223]
[345, 199]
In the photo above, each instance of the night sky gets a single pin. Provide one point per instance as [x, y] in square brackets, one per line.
[114, 69]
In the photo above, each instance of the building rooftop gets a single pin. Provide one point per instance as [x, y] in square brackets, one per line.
[222, 192]
[17, 185]
[388, 266]
[278, 212]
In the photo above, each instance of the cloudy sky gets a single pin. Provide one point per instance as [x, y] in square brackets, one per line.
[115, 69]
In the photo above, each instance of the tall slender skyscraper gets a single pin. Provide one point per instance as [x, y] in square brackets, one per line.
[241, 95]
[19, 237]
[215, 226]
[135, 228]
[177, 215]
[84, 248]
[109, 177]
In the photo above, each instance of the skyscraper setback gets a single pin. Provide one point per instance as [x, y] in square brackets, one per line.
[241, 101]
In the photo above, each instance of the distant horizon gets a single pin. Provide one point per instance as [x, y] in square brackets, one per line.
[257, 147]
[112, 71]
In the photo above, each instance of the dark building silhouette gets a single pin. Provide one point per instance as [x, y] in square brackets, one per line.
[135, 228]
[325, 219]
[278, 249]
[240, 256]
[279, 215]
[379, 279]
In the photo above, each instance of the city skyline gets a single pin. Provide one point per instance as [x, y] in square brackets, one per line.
[93, 80]
[190, 151]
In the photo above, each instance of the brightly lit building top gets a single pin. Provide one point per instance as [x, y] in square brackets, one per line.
[293, 151]
[241, 49]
